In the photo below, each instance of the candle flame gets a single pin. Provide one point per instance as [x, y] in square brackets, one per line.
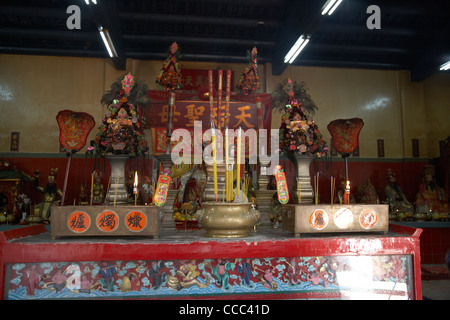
[135, 179]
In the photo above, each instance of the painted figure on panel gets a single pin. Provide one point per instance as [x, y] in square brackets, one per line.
[245, 268]
[187, 276]
[267, 278]
[107, 272]
[155, 272]
[271, 276]
[33, 278]
[59, 281]
[293, 271]
[130, 282]
[220, 272]
[86, 283]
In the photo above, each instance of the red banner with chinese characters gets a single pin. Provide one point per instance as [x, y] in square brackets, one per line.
[195, 78]
[185, 113]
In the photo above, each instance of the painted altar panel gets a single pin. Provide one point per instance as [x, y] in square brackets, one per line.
[340, 277]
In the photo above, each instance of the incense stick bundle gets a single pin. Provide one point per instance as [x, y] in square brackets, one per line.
[332, 189]
[316, 187]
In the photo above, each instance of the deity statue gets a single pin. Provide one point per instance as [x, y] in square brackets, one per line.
[51, 194]
[98, 193]
[367, 193]
[431, 197]
[395, 197]
[84, 194]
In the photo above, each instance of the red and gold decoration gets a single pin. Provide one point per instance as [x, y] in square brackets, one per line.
[74, 128]
[282, 188]
[249, 81]
[298, 132]
[345, 133]
[170, 75]
[121, 131]
[162, 188]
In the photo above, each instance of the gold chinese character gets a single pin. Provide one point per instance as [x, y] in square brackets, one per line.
[193, 113]
[164, 114]
[188, 81]
[222, 115]
[199, 81]
[242, 117]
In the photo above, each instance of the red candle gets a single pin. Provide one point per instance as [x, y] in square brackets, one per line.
[347, 193]
[219, 100]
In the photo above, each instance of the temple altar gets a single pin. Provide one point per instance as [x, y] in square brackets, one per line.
[270, 264]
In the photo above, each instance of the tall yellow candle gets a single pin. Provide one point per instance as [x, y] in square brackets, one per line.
[238, 162]
[213, 137]
[227, 176]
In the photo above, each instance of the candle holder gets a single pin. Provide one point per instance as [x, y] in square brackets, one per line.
[168, 222]
[302, 191]
[264, 195]
[117, 192]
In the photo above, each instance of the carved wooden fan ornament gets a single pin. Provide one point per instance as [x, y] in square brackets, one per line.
[345, 133]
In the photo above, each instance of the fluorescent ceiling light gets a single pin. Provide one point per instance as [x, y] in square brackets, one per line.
[330, 6]
[93, 1]
[445, 66]
[108, 42]
[298, 46]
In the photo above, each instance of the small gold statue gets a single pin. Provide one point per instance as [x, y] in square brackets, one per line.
[98, 194]
[51, 194]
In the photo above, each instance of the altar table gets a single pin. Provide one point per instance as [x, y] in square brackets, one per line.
[270, 264]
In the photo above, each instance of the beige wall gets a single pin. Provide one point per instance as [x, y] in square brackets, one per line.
[33, 89]
[437, 106]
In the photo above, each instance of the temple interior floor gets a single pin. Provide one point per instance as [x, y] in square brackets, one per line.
[436, 289]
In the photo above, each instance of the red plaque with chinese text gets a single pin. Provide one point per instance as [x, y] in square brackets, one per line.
[136, 221]
[79, 222]
[108, 221]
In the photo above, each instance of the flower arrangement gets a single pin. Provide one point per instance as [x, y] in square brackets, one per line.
[298, 132]
[170, 75]
[121, 131]
[249, 81]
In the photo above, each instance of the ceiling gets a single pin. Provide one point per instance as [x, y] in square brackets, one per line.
[414, 35]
